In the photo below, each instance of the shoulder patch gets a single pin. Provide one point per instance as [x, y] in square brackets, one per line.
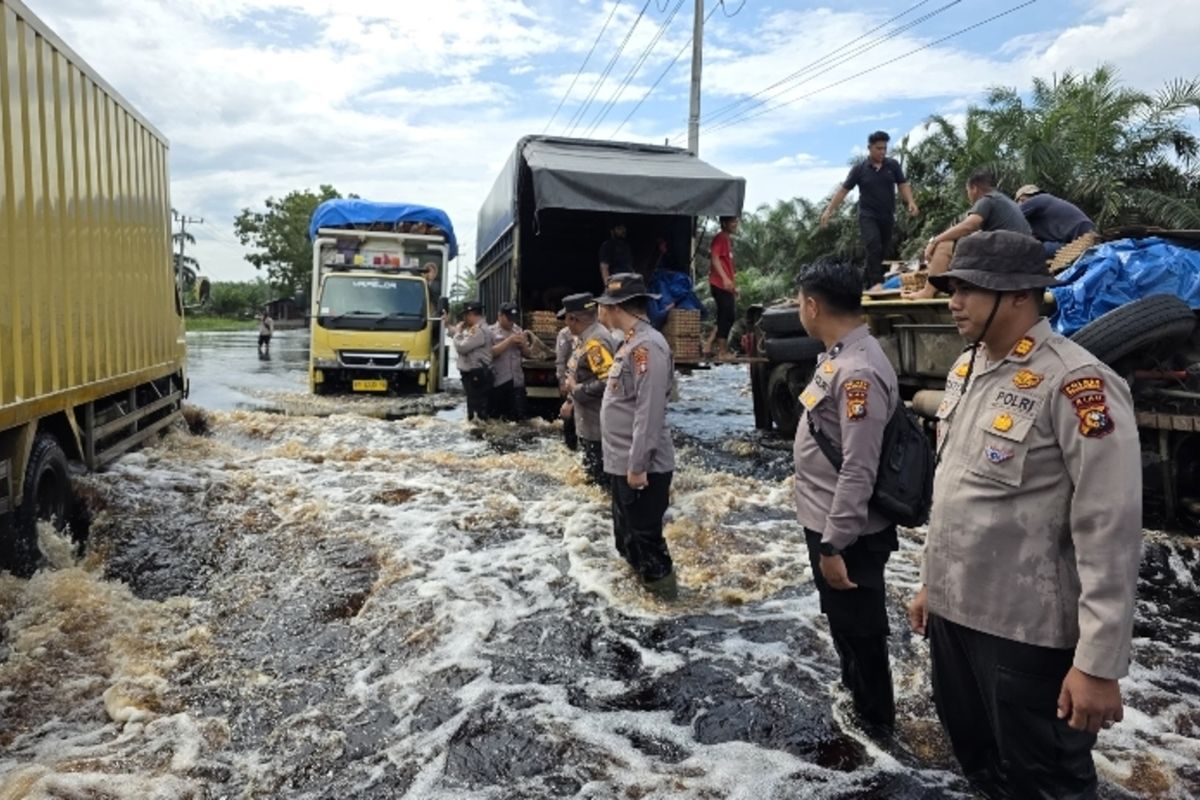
[1091, 406]
[1027, 379]
[856, 398]
[641, 360]
[1074, 388]
[1024, 347]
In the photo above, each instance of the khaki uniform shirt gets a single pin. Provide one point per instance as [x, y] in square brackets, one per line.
[1035, 533]
[633, 414]
[506, 366]
[474, 347]
[590, 363]
[852, 395]
[564, 345]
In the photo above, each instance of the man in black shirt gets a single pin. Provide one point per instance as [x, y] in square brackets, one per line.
[877, 178]
[615, 255]
[1054, 221]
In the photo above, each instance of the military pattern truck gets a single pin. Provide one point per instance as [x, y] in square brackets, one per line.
[1153, 341]
[377, 297]
[92, 350]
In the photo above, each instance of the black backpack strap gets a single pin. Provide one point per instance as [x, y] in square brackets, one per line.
[826, 444]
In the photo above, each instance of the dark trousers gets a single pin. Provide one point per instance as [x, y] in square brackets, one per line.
[858, 622]
[726, 311]
[593, 463]
[507, 401]
[877, 239]
[570, 437]
[997, 700]
[477, 384]
[638, 524]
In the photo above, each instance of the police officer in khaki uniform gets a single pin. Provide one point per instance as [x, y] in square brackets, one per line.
[639, 455]
[509, 347]
[473, 344]
[847, 404]
[1031, 560]
[587, 375]
[564, 345]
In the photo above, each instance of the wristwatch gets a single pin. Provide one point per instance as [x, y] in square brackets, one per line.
[827, 549]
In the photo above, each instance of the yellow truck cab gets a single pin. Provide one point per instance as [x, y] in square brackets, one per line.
[377, 296]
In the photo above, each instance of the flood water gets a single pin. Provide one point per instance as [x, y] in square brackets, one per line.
[335, 598]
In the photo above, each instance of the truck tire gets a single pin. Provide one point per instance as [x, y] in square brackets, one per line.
[1158, 319]
[794, 348]
[781, 321]
[46, 496]
[784, 386]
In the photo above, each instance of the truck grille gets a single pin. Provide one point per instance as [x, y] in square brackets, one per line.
[359, 358]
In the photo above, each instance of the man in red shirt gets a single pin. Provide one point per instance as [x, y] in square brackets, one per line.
[723, 285]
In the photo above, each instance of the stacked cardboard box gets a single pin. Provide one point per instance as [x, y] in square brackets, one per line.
[682, 332]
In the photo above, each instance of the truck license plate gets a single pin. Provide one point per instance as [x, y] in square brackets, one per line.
[370, 386]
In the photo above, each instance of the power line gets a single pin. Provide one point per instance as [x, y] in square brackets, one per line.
[662, 75]
[633, 71]
[577, 117]
[723, 110]
[881, 65]
[741, 5]
[579, 71]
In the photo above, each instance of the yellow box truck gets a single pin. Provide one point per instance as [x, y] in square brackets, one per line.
[92, 349]
[378, 292]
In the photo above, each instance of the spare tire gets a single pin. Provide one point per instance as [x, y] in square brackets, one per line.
[784, 386]
[781, 321]
[1160, 319]
[794, 348]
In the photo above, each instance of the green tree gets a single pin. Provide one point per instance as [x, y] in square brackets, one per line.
[279, 235]
[237, 298]
[187, 268]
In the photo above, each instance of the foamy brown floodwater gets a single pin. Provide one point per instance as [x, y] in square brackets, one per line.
[347, 606]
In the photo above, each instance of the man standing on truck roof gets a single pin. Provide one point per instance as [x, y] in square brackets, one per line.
[1031, 560]
[615, 255]
[509, 346]
[587, 372]
[877, 178]
[639, 455]
[1054, 221]
[847, 405]
[990, 211]
[722, 283]
[473, 344]
[564, 345]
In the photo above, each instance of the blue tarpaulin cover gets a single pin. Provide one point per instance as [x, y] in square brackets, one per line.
[341, 212]
[1121, 271]
[675, 287]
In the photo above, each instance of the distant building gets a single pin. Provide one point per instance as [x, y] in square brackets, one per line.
[286, 309]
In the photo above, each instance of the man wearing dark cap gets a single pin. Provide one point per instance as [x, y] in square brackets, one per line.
[639, 455]
[473, 344]
[586, 376]
[509, 346]
[1054, 221]
[1031, 559]
[847, 405]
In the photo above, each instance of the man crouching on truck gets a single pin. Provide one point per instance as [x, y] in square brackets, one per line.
[473, 343]
[639, 455]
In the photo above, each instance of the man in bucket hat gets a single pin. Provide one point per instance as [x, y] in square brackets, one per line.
[586, 377]
[1031, 558]
[639, 455]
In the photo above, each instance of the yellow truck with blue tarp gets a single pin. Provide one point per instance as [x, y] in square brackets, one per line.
[377, 297]
[92, 349]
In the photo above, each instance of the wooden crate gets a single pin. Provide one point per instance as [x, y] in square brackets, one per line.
[686, 349]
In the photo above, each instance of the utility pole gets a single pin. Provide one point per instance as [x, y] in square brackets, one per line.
[184, 221]
[697, 48]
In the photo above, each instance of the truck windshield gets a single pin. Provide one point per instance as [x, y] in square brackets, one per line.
[372, 303]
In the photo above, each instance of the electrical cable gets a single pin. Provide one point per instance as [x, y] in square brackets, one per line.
[637, 66]
[659, 80]
[579, 114]
[579, 71]
[741, 5]
[880, 65]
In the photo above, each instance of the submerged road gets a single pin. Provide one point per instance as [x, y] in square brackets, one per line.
[357, 597]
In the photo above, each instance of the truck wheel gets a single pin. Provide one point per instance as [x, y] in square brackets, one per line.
[1158, 319]
[784, 386]
[781, 321]
[794, 348]
[46, 496]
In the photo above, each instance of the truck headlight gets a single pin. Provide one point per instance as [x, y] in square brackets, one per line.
[418, 366]
[325, 363]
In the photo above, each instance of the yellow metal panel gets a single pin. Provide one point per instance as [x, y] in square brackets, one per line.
[85, 264]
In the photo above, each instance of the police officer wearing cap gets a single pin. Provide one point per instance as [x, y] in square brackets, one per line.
[586, 376]
[564, 345]
[509, 347]
[639, 455]
[847, 405]
[473, 344]
[1031, 559]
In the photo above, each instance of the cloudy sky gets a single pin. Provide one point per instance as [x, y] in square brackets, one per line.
[423, 101]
